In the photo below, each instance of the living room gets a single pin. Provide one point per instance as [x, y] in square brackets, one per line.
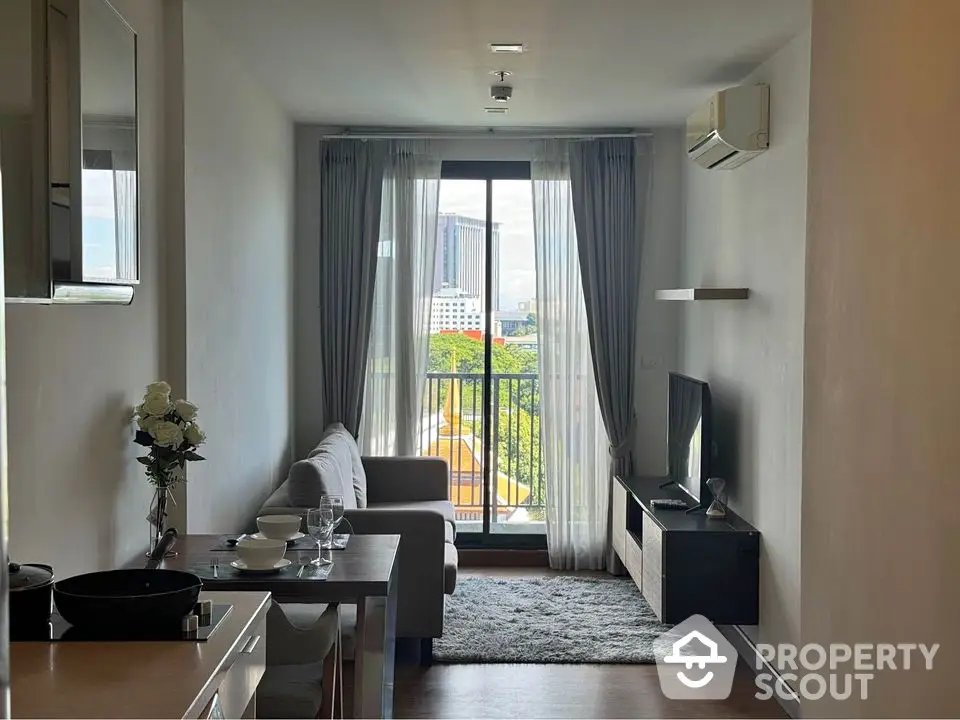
[829, 381]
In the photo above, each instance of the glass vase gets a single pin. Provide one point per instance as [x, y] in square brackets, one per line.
[157, 517]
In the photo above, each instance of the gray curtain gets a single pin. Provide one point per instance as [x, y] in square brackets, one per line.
[610, 183]
[351, 186]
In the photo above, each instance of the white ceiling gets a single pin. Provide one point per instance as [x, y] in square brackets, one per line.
[590, 63]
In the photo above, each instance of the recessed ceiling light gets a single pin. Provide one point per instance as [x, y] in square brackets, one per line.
[514, 48]
[502, 110]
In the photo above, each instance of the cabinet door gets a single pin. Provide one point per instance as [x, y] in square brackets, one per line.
[619, 529]
[23, 149]
[238, 689]
[653, 565]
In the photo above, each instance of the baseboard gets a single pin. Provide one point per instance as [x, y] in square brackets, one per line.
[748, 652]
[475, 557]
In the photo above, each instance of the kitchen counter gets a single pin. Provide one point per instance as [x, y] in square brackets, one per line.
[145, 679]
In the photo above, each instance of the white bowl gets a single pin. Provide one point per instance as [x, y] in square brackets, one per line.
[279, 527]
[261, 554]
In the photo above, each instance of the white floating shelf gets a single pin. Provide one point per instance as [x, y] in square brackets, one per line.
[712, 293]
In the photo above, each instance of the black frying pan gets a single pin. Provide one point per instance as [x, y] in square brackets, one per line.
[142, 599]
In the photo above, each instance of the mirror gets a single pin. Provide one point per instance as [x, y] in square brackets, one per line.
[93, 159]
[108, 106]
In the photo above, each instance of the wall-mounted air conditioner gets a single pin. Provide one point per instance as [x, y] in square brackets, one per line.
[733, 126]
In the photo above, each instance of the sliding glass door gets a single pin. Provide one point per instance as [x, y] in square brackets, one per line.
[481, 409]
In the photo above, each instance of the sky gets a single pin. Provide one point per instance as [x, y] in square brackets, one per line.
[513, 207]
[99, 225]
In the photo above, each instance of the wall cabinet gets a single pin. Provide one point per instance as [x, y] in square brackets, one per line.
[69, 180]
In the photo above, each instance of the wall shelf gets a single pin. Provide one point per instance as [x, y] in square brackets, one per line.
[701, 293]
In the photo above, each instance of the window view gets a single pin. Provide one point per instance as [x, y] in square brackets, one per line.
[99, 224]
[452, 422]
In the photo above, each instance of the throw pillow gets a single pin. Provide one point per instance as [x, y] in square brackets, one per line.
[359, 475]
[312, 478]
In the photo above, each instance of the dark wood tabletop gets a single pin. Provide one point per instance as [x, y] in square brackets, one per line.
[365, 568]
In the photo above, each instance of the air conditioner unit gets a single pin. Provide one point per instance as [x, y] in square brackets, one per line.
[731, 128]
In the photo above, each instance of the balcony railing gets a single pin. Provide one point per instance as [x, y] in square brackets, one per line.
[452, 428]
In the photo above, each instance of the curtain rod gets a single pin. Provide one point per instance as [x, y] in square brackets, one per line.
[489, 135]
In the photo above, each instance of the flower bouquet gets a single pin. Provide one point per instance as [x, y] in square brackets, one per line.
[169, 429]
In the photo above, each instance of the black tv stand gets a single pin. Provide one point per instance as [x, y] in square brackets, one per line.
[686, 563]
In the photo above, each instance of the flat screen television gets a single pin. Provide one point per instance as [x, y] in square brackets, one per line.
[689, 436]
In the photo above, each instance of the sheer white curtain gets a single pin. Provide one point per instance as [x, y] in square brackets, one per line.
[400, 334]
[125, 202]
[573, 437]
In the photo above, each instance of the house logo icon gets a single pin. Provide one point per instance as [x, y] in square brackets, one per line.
[695, 661]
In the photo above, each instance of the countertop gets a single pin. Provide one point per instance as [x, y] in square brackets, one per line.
[130, 679]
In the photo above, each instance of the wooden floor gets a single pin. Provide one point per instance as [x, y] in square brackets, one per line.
[558, 691]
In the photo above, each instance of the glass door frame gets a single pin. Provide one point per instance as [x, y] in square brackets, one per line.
[488, 171]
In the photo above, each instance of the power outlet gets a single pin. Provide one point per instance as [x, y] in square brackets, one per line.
[649, 363]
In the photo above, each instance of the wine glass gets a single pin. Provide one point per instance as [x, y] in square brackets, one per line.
[335, 503]
[320, 527]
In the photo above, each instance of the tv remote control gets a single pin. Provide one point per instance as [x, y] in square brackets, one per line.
[668, 504]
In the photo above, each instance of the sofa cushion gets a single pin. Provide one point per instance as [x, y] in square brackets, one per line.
[450, 561]
[444, 507]
[449, 534]
[309, 480]
[359, 474]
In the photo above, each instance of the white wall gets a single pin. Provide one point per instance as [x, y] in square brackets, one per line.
[747, 227]
[881, 457]
[238, 157]
[657, 332]
[78, 498]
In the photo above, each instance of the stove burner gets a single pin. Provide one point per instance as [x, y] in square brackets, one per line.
[197, 627]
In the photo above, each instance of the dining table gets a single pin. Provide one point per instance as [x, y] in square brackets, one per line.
[363, 573]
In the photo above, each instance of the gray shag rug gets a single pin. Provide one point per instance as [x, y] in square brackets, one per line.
[561, 619]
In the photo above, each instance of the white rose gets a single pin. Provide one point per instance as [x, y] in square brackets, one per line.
[194, 435]
[155, 404]
[158, 388]
[186, 410]
[147, 422]
[167, 434]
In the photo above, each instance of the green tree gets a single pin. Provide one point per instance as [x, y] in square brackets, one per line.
[518, 416]
[468, 351]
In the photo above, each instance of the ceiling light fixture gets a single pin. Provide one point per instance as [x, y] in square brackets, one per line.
[501, 93]
[501, 74]
[510, 48]
[502, 110]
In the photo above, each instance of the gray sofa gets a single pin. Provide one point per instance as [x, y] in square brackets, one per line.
[386, 495]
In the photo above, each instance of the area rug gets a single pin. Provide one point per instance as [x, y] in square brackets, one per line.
[561, 619]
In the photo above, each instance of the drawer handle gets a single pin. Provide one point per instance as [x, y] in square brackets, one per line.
[251, 645]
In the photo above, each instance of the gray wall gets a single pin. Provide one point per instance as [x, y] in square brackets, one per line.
[658, 335]
[880, 456]
[78, 497]
[747, 227]
[658, 322]
[238, 160]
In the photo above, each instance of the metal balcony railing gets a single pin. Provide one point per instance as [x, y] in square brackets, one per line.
[451, 427]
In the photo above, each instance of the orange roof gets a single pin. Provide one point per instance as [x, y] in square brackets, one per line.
[463, 453]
